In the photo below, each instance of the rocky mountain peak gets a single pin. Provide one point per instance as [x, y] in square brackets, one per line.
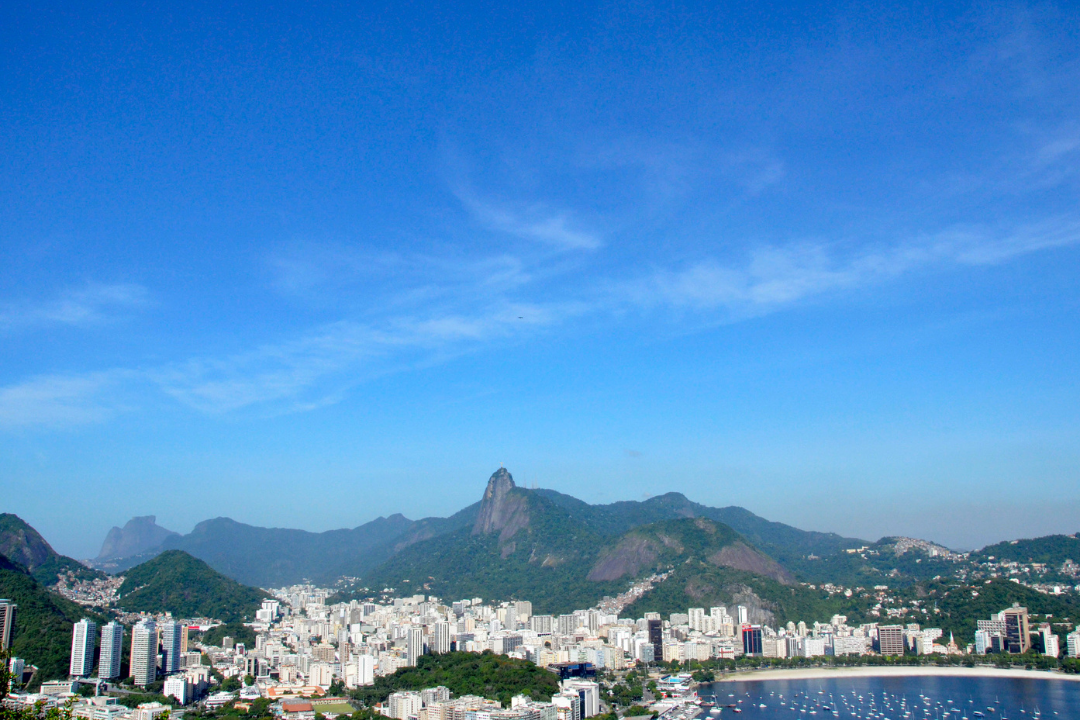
[501, 510]
[139, 535]
[21, 543]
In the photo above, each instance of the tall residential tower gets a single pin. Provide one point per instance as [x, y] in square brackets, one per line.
[83, 644]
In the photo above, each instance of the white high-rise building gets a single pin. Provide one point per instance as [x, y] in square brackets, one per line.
[112, 643]
[696, 618]
[144, 653]
[744, 614]
[83, 644]
[1072, 644]
[414, 644]
[440, 639]
[171, 646]
[365, 670]
[588, 693]
[403, 704]
[320, 674]
[178, 687]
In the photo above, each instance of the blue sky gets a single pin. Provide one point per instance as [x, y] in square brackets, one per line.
[306, 264]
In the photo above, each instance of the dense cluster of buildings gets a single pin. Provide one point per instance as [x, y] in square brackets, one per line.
[306, 649]
[1010, 631]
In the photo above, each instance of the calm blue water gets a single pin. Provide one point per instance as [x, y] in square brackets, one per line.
[923, 698]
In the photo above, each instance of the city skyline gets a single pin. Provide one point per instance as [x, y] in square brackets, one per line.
[312, 267]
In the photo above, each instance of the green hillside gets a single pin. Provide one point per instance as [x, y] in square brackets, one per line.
[545, 561]
[959, 605]
[42, 622]
[497, 677]
[22, 544]
[1051, 549]
[699, 584]
[525, 545]
[788, 545]
[187, 587]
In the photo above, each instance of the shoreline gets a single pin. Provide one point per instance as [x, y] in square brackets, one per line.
[895, 671]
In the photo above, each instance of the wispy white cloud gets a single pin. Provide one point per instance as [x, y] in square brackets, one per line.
[773, 277]
[320, 366]
[534, 221]
[61, 400]
[92, 303]
[314, 369]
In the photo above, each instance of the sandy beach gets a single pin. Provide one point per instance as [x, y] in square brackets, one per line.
[896, 671]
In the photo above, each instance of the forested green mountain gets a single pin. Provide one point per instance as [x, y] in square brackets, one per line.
[790, 546]
[187, 587]
[956, 606]
[22, 544]
[42, 622]
[700, 584]
[525, 545]
[271, 557]
[521, 545]
[1052, 549]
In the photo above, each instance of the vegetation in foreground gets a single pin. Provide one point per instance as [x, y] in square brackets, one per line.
[497, 677]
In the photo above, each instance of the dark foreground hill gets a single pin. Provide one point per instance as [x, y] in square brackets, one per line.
[187, 587]
[22, 544]
[43, 621]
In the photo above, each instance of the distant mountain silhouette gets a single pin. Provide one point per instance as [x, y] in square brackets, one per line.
[140, 535]
[271, 557]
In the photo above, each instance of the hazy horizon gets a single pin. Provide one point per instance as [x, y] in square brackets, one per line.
[304, 266]
[92, 551]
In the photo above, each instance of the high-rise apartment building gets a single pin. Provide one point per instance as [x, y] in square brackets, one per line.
[83, 644]
[414, 644]
[891, 639]
[541, 624]
[440, 638]
[751, 640]
[171, 646]
[403, 704]
[112, 643]
[656, 636]
[1017, 631]
[365, 670]
[1072, 644]
[144, 651]
[7, 623]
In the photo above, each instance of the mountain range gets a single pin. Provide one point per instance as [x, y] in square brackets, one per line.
[540, 545]
[272, 557]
